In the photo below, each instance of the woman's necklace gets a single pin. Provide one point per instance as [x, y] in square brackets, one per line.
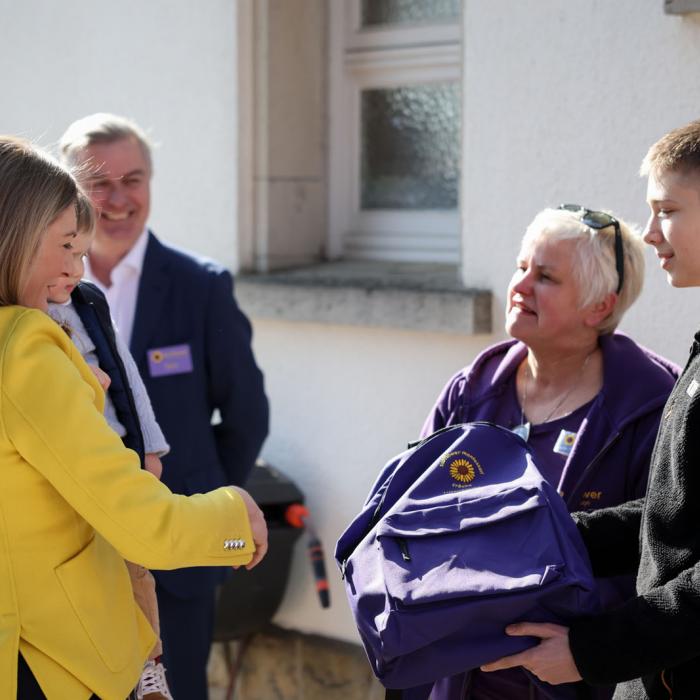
[523, 429]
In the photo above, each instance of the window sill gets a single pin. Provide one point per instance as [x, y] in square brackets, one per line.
[415, 296]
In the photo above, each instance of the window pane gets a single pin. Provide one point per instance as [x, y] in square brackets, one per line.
[409, 11]
[410, 147]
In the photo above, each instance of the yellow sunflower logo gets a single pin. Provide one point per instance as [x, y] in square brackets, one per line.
[462, 470]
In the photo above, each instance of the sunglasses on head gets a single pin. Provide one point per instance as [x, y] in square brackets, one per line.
[599, 220]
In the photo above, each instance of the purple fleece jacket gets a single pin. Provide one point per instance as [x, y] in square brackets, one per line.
[609, 462]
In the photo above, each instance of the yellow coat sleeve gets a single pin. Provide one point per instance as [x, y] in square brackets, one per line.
[51, 413]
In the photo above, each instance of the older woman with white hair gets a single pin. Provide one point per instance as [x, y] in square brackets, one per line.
[586, 398]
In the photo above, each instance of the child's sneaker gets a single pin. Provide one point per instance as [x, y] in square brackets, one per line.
[152, 685]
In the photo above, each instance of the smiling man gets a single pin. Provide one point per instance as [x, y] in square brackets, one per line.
[192, 345]
[117, 177]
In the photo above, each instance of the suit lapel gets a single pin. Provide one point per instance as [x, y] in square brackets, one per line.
[154, 286]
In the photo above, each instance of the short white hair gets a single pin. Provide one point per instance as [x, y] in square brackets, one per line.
[594, 265]
[101, 127]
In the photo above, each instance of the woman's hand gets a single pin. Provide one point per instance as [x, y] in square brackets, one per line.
[550, 660]
[257, 525]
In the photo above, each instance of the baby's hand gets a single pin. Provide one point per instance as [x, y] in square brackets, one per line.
[152, 463]
[102, 377]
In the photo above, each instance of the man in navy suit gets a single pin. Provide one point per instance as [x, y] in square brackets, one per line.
[191, 342]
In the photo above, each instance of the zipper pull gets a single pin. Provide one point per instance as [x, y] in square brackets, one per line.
[403, 546]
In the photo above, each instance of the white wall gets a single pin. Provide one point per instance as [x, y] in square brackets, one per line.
[168, 64]
[344, 400]
[561, 101]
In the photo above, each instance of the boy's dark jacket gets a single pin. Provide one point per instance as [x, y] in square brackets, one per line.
[93, 309]
[652, 641]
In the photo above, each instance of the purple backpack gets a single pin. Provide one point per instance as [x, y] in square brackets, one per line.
[460, 535]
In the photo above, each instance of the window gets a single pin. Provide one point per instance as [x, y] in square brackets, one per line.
[395, 115]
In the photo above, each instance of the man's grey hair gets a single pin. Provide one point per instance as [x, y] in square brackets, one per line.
[101, 127]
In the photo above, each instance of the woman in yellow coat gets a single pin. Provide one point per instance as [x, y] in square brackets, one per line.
[74, 502]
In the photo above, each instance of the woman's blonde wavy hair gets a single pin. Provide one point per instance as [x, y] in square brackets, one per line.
[34, 190]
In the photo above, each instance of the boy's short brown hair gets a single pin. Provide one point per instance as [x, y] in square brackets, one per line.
[678, 151]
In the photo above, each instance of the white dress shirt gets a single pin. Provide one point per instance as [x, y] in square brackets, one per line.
[122, 293]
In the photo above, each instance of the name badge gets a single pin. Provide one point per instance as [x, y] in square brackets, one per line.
[174, 359]
[565, 443]
[693, 388]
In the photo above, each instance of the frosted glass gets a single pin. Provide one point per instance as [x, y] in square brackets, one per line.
[410, 147]
[409, 11]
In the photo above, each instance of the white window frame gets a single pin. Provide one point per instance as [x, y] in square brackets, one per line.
[383, 58]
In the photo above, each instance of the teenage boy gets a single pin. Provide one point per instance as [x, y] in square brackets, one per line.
[650, 646]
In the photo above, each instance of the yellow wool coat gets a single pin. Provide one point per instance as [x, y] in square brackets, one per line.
[74, 503]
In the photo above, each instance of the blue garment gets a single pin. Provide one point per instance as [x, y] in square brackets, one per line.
[544, 437]
[460, 536]
[93, 309]
[188, 302]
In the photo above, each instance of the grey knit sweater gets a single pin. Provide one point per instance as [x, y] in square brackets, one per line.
[650, 645]
[153, 438]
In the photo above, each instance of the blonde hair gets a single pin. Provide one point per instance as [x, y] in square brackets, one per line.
[101, 127]
[34, 190]
[593, 265]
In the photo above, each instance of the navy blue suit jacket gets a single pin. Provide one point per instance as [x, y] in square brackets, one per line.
[184, 300]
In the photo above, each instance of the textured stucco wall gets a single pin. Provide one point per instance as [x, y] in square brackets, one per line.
[171, 66]
[561, 101]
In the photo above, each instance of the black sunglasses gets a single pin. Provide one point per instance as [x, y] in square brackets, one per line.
[598, 220]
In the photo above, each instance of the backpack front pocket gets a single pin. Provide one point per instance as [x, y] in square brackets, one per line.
[496, 545]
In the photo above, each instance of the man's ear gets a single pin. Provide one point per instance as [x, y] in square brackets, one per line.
[598, 311]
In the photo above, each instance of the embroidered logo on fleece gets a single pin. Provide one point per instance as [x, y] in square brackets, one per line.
[590, 499]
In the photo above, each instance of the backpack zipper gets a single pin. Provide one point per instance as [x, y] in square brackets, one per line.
[403, 546]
